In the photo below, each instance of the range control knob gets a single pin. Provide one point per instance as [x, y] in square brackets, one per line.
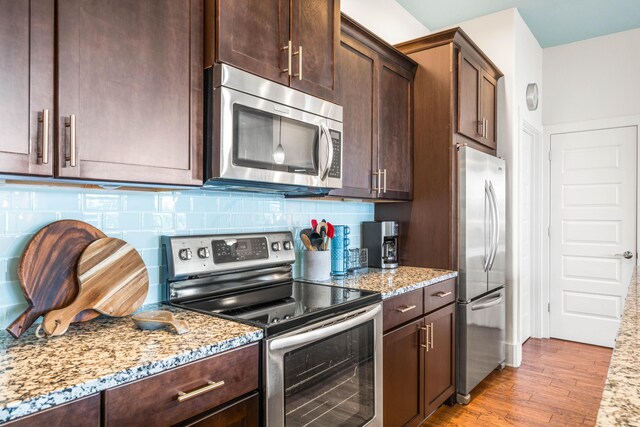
[275, 246]
[185, 254]
[287, 245]
[203, 252]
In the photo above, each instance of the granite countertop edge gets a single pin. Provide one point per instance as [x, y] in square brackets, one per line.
[423, 284]
[18, 409]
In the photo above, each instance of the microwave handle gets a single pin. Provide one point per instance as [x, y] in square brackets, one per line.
[325, 130]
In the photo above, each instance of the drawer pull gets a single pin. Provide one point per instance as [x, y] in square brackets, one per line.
[406, 308]
[442, 294]
[182, 396]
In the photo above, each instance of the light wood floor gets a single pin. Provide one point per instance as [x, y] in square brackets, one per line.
[560, 383]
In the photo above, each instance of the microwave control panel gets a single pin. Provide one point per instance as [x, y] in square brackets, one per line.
[336, 164]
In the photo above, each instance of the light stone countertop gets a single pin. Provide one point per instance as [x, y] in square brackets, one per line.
[37, 374]
[620, 405]
[393, 282]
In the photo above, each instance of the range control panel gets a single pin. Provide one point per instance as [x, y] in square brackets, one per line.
[189, 256]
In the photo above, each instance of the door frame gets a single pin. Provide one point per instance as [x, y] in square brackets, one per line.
[560, 128]
[537, 239]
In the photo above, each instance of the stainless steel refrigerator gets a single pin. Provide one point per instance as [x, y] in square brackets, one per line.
[481, 282]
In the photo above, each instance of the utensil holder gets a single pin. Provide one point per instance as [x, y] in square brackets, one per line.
[316, 265]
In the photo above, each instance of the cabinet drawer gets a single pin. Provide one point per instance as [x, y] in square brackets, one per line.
[154, 400]
[83, 412]
[402, 308]
[439, 295]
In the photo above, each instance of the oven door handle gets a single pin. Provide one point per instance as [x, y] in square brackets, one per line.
[323, 332]
[324, 130]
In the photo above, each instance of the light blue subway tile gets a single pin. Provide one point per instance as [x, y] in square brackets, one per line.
[115, 235]
[93, 218]
[11, 293]
[230, 205]
[121, 221]
[221, 220]
[204, 203]
[156, 294]
[16, 200]
[101, 202]
[143, 201]
[154, 274]
[142, 239]
[175, 203]
[28, 222]
[157, 221]
[11, 268]
[57, 201]
[151, 257]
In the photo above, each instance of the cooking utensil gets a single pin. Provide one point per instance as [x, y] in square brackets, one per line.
[307, 242]
[47, 271]
[113, 281]
[316, 240]
[159, 319]
[278, 154]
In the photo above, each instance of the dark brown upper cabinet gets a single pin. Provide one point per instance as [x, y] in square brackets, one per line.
[375, 89]
[293, 42]
[129, 81]
[26, 87]
[476, 99]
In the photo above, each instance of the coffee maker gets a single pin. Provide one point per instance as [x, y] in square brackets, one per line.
[381, 240]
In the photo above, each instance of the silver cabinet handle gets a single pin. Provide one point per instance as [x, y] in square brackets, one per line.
[71, 156]
[182, 396]
[405, 308]
[289, 59]
[44, 119]
[480, 125]
[442, 294]
[420, 329]
[299, 53]
[486, 127]
[385, 181]
[378, 188]
[431, 331]
[626, 255]
[374, 187]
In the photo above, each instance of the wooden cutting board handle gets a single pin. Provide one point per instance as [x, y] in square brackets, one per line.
[113, 281]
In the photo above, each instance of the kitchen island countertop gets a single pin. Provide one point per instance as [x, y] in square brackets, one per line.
[37, 374]
[393, 282]
[620, 405]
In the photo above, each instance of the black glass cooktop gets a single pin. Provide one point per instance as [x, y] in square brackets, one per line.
[282, 307]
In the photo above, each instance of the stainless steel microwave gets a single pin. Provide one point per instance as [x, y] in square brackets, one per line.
[264, 136]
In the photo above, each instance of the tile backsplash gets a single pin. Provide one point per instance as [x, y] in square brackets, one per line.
[141, 218]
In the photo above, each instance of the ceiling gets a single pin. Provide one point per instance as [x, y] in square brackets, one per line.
[552, 22]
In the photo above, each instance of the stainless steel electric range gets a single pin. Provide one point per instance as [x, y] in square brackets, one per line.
[323, 344]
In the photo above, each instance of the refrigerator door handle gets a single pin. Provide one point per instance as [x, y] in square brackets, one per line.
[496, 228]
[495, 301]
[487, 199]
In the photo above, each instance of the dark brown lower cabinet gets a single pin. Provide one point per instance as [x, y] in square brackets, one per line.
[440, 359]
[403, 374]
[244, 413]
[419, 356]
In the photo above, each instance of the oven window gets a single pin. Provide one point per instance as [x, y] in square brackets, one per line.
[331, 382]
[263, 140]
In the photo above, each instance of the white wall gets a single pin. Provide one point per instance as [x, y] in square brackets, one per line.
[507, 41]
[592, 79]
[385, 18]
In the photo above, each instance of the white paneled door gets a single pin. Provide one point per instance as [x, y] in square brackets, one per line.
[593, 232]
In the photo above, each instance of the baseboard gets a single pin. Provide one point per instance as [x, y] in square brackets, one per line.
[513, 354]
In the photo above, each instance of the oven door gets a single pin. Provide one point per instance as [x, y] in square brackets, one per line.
[328, 374]
[267, 142]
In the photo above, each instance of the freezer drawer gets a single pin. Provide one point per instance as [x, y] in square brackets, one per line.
[481, 336]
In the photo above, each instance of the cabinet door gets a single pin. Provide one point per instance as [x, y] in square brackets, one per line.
[469, 118]
[488, 91]
[403, 375]
[315, 29]
[131, 74]
[358, 97]
[395, 146]
[251, 35]
[440, 357]
[26, 86]
[244, 413]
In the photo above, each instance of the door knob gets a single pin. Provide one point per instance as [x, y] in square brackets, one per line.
[626, 255]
